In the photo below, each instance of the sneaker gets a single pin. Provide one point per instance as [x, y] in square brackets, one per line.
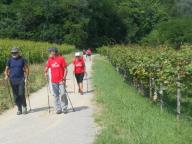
[19, 113]
[58, 112]
[65, 111]
[24, 110]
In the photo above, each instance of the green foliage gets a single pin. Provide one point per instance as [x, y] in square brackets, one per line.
[140, 64]
[175, 32]
[128, 118]
[139, 18]
[84, 23]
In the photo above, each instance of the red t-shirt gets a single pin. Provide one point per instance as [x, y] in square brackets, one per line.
[57, 66]
[79, 65]
[89, 52]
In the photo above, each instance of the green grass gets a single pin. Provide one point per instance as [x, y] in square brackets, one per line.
[128, 118]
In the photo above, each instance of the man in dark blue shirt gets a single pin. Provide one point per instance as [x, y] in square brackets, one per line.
[17, 72]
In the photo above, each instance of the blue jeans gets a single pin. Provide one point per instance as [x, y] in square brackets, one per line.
[61, 101]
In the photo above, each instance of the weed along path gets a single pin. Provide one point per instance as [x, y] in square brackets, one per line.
[40, 127]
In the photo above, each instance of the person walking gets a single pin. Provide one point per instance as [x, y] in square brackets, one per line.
[88, 54]
[79, 70]
[58, 71]
[17, 72]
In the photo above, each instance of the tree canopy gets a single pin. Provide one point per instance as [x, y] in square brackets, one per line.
[86, 23]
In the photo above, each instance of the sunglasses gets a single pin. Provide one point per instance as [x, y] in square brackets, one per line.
[14, 53]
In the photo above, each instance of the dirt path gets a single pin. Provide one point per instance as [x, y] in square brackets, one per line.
[40, 127]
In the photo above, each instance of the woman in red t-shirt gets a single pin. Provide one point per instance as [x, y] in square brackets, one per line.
[79, 70]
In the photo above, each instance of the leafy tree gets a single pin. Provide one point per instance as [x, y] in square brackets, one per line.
[105, 26]
[176, 31]
[139, 18]
[87, 23]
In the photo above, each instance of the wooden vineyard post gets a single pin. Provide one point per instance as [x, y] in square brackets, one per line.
[161, 96]
[150, 87]
[154, 87]
[142, 88]
[178, 97]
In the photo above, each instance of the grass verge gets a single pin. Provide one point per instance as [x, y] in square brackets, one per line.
[128, 118]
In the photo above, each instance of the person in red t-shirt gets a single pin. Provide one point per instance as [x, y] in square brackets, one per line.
[88, 54]
[58, 70]
[79, 70]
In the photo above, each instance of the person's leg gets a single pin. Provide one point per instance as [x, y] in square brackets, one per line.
[81, 87]
[56, 97]
[81, 82]
[21, 93]
[63, 98]
[15, 89]
[77, 76]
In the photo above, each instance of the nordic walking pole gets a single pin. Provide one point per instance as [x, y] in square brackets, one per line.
[74, 82]
[87, 82]
[27, 91]
[48, 90]
[69, 99]
[11, 100]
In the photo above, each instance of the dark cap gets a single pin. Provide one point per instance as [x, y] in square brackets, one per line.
[52, 49]
[15, 50]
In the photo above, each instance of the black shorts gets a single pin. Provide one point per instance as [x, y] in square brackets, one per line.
[79, 77]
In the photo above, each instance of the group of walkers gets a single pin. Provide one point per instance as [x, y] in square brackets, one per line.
[17, 73]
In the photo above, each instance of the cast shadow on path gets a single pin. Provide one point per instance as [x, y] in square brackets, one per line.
[40, 109]
[77, 109]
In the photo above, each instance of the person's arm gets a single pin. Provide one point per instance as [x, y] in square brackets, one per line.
[6, 72]
[84, 66]
[46, 68]
[26, 69]
[65, 73]
[73, 62]
[65, 69]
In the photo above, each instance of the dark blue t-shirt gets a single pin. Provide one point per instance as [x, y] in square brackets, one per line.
[16, 67]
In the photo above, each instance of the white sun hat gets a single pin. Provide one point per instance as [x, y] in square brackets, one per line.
[77, 54]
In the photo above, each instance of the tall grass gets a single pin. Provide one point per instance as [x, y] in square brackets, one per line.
[33, 51]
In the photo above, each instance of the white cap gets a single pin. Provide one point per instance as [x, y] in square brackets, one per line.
[77, 54]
